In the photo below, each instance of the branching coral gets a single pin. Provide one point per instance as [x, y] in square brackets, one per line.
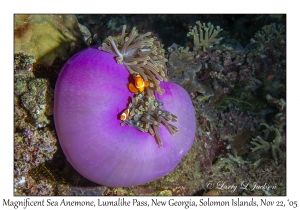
[269, 36]
[141, 55]
[280, 103]
[267, 61]
[261, 145]
[265, 145]
[205, 41]
[280, 118]
[186, 65]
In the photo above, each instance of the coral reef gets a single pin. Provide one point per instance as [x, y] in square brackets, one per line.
[268, 60]
[34, 142]
[231, 117]
[38, 101]
[32, 148]
[238, 89]
[33, 96]
[237, 73]
[185, 65]
[266, 171]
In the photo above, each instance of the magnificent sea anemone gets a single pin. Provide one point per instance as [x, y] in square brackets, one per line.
[118, 120]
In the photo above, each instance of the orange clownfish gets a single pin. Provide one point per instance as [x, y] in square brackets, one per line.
[139, 84]
[125, 115]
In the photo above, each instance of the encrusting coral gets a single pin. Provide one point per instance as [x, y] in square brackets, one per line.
[23, 63]
[143, 56]
[38, 101]
[182, 70]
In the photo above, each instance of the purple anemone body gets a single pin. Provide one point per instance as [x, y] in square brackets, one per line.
[90, 93]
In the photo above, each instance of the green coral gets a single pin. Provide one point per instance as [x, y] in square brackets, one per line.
[20, 139]
[205, 35]
[270, 36]
[20, 87]
[263, 145]
[38, 101]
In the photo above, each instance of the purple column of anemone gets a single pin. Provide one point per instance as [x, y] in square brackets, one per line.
[90, 93]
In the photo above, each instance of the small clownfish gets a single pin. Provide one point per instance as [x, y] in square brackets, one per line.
[124, 115]
[139, 84]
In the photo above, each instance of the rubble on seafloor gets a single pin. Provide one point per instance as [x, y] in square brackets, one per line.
[240, 110]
